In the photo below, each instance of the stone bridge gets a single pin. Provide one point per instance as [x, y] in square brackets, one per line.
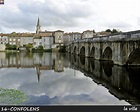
[122, 48]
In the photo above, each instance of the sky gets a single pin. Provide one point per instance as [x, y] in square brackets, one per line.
[69, 15]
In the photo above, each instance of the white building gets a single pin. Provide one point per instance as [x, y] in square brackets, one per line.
[4, 38]
[58, 37]
[47, 39]
[88, 34]
[37, 41]
[26, 39]
[69, 37]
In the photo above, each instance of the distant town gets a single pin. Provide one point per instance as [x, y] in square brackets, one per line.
[44, 40]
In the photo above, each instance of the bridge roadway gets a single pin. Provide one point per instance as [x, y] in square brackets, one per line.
[122, 48]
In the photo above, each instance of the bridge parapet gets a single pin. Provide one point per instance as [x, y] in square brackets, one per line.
[111, 38]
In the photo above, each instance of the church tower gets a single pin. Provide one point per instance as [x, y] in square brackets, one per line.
[38, 27]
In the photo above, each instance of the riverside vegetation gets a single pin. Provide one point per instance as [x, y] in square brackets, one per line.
[29, 48]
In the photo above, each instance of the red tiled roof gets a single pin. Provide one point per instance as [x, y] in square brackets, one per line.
[45, 34]
[21, 35]
[1, 34]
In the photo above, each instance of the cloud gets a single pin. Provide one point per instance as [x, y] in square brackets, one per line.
[56, 88]
[77, 15]
[54, 14]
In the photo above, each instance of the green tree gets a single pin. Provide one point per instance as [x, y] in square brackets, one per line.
[14, 47]
[93, 31]
[13, 33]
[29, 46]
[115, 31]
[40, 47]
[10, 47]
[108, 30]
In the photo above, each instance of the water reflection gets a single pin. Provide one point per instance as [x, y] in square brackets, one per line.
[107, 67]
[124, 83]
[53, 78]
[92, 63]
[134, 76]
[82, 60]
[41, 61]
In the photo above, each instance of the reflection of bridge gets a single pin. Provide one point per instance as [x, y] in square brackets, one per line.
[123, 83]
[122, 49]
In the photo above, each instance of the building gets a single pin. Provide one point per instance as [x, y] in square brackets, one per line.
[20, 39]
[76, 35]
[44, 38]
[14, 39]
[88, 34]
[37, 41]
[26, 38]
[66, 38]
[103, 33]
[47, 42]
[69, 37]
[4, 38]
[58, 38]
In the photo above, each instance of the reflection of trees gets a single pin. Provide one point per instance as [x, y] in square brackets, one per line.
[134, 76]
[29, 55]
[40, 55]
[11, 96]
[107, 67]
[11, 54]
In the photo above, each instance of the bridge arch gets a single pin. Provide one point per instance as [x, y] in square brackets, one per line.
[134, 57]
[92, 52]
[107, 55]
[82, 51]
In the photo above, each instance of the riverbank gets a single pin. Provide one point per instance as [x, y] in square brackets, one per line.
[61, 50]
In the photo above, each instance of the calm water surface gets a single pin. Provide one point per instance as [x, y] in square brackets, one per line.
[52, 78]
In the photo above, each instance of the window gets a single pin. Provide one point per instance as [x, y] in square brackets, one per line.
[18, 39]
[14, 39]
[14, 43]
[34, 43]
[59, 37]
[10, 39]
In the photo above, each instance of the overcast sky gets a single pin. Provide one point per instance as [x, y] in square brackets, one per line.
[69, 15]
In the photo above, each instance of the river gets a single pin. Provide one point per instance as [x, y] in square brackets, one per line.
[64, 79]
